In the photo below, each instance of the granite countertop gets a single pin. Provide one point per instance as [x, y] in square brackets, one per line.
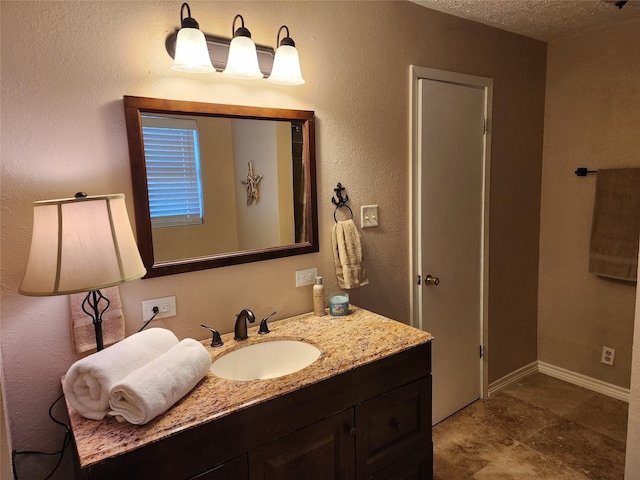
[346, 343]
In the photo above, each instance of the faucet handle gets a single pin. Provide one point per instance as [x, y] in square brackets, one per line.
[216, 341]
[264, 328]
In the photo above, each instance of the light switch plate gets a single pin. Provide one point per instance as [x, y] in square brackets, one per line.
[368, 216]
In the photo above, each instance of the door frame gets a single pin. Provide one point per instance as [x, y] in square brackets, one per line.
[415, 127]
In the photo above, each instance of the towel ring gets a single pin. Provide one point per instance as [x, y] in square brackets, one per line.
[341, 201]
[340, 206]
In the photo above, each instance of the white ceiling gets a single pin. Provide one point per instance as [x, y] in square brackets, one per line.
[541, 19]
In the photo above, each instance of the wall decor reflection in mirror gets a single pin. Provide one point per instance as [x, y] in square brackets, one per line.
[188, 164]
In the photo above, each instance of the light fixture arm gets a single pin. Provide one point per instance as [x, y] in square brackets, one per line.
[286, 40]
[187, 22]
[240, 32]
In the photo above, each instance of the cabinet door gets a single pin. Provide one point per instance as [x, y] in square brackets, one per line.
[321, 451]
[417, 466]
[392, 426]
[236, 469]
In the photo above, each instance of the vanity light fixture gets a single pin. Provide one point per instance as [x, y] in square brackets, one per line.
[192, 54]
[82, 244]
[239, 57]
[286, 64]
[243, 58]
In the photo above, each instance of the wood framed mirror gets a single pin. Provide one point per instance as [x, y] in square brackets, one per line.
[217, 185]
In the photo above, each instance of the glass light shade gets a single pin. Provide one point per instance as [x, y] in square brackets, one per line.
[192, 54]
[79, 245]
[243, 59]
[286, 67]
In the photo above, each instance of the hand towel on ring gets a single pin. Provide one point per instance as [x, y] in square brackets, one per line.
[347, 255]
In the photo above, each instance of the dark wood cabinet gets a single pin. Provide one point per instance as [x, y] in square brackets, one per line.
[371, 422]
[236, 469]
[415, 466]
[322, 451]
[392, 425]
[387, 437]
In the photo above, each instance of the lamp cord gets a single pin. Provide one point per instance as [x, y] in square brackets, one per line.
[65, 443]
[155, 310]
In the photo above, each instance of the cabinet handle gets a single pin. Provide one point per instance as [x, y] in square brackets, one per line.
[352, 430]
[396, 424]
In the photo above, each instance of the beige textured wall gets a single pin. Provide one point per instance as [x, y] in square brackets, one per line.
[66, 66]
[592, 119]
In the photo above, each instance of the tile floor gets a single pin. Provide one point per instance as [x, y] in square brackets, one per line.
[537, 428]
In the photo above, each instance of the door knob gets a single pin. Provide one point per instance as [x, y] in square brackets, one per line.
[430, 280]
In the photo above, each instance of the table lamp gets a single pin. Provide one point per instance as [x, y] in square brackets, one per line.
[82, 244]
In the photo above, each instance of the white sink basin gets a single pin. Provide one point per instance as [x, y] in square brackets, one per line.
[265, 360]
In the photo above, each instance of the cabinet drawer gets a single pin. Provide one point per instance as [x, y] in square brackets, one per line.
[393, 425]
[237, 469]
[416, 466]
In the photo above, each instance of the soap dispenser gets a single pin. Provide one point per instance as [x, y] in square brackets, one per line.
[318, 298]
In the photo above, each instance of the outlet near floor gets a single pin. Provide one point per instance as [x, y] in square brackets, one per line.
[608, 354]
[166, 307]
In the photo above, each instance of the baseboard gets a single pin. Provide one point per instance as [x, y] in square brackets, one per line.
[561, 374]
[584, 381]
[512, 377]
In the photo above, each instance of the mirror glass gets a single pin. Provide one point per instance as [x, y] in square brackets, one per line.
[218, 185]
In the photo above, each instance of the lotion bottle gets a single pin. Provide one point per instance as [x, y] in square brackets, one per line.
[318, 298]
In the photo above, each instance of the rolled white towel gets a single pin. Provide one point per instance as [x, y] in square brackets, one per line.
[153, 388]
[89, 380]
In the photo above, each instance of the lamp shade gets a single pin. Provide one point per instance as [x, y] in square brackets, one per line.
[243, 59]
[286, 67]
[192, 54]
[79, 245]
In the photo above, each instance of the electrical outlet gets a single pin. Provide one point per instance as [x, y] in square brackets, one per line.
[306, 277]
[166, 307]
[608, 354]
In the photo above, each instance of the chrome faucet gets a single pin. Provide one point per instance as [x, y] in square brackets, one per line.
[241, 324]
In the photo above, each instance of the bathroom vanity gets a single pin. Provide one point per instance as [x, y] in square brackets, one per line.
[361, 410]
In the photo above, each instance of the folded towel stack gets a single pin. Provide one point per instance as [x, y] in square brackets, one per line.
[89, 383]
[150, 390]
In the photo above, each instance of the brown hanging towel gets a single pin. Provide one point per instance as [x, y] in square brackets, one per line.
[615, 228]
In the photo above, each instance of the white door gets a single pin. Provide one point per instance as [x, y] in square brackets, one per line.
[452, 123]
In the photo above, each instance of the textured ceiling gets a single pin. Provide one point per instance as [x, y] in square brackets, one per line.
[541, 19]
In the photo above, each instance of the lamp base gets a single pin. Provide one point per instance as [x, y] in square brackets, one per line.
[91, 306]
